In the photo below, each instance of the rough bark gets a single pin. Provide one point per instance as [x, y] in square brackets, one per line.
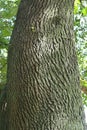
[43, 91]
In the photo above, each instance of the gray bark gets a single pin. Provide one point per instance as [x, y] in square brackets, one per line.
[43, 91]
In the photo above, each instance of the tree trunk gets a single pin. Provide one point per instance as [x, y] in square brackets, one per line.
[43, 91]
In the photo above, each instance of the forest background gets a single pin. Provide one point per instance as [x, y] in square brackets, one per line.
[8, 10]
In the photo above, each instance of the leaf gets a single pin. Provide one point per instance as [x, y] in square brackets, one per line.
[83, 83]
[84, 11]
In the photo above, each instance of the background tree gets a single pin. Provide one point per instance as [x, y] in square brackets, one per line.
[43, 65]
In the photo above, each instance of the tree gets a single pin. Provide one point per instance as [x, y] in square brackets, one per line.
[42, 90]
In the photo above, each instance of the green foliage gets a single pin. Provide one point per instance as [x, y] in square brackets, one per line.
[8, 10]
[80, 27]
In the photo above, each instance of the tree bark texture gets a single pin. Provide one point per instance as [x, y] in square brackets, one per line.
[43, 91]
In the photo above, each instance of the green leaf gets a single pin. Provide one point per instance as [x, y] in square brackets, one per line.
[84, 11]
